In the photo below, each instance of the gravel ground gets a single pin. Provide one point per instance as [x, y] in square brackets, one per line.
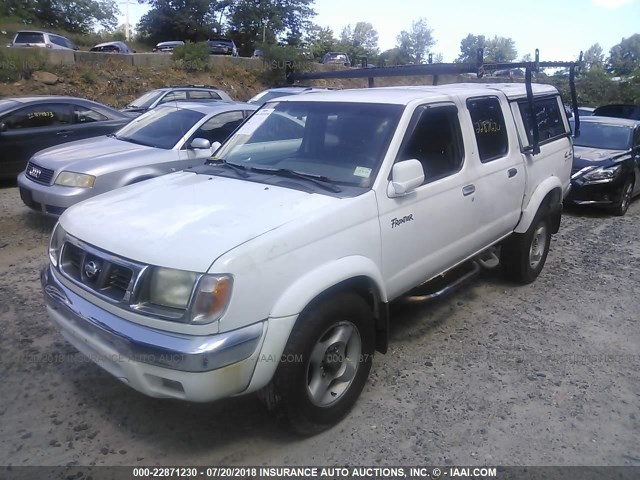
[497, 374]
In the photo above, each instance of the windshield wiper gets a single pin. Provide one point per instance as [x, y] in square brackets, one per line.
[241, 170]
[319, 180]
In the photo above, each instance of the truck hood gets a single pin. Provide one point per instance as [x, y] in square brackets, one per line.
[186, 221]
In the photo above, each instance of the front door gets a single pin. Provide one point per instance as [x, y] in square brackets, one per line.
[431, 228]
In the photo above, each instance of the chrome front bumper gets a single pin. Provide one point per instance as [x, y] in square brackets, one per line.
[155, 362]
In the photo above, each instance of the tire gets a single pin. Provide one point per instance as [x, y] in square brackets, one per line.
[626, 193]
[332, 340]
[523, 255]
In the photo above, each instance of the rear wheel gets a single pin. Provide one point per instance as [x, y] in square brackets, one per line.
[324, 366]
[523, 255]
[625, 199]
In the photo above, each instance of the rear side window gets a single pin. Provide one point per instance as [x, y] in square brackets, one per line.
[548, 117]
[177, 96]
[87, 115]
[203, 95]
[29, 37]
[488, 124]
[58, 40]
[45, 115]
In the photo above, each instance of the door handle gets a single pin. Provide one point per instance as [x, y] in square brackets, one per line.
[512, 172]
[567, 155]
[65, 132]
[468, 190]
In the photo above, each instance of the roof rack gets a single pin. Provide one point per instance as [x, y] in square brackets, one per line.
[191, 86]
[437, 69]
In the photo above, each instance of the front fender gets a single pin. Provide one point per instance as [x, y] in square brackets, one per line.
[313, 283]
[547, 186]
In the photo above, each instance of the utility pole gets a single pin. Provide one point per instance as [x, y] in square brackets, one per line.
[126, 19]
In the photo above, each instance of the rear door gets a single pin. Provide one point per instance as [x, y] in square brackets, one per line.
[89, 122]
[499, 166]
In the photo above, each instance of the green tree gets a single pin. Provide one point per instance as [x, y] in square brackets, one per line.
[416, 42]
[359, 42]
[279, 19]
[496, 49]
[78, 16]
[193, 20]
[593, 57]
[624, 58]
[469, 47]
[394, 56]
[320, 40]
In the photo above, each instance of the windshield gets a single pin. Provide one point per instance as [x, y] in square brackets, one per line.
[146, 100]
[161, 128]
[343, 142]
[599, 135]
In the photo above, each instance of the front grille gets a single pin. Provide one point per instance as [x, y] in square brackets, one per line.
[99, 273]
[39, 174]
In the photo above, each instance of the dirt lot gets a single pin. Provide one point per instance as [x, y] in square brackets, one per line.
[545, 374]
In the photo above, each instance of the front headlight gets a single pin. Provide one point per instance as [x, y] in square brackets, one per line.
[55, 244]
[72, 179]
[602, 174]
[171, 288]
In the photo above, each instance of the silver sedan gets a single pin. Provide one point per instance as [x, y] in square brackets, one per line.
[163, 140]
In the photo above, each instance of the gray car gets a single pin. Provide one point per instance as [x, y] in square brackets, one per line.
[35, 38]
[176, 93]
[164, 140]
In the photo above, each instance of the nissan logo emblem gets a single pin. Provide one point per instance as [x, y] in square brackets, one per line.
[91, 269]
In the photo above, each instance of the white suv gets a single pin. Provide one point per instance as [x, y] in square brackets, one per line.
[271, 267]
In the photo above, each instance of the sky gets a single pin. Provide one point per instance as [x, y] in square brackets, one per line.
[559, 28]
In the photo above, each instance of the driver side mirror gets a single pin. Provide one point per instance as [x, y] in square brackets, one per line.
[406, 176]
[200, 144]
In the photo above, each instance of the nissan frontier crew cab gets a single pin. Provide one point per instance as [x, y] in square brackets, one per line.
[270, 268]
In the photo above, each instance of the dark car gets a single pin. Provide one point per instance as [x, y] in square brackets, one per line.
[222, 46]
[619, 111]
[167, 46]
[112, 47]
[606, 163]
[180, 93]
[31, 124]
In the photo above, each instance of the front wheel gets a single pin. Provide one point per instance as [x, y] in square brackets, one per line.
[523, 255]
[324, 366]
[625, 199]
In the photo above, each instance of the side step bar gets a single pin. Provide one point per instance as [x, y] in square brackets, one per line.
[425, 292]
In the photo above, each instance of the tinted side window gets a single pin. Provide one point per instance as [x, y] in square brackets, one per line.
[548, 117]
[218, 128]
[489, 127]
[29, 37]
[87, 115]
[45, 115]
[203, 95]
[435, 140]
[178, 95]
[57, 40]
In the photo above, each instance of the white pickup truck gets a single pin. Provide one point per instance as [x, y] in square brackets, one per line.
[270, 269]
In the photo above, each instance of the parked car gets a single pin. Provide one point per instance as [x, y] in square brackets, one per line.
[164, 140]
[222, 46]
[336, 58]
[179, 93]
[30, 124]
[112, 47]
[271, 267]
[167, 46]
[258, 53]
[606, 165]
[618, 111]
[585, 111]
[276, 92]
[32, 38]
